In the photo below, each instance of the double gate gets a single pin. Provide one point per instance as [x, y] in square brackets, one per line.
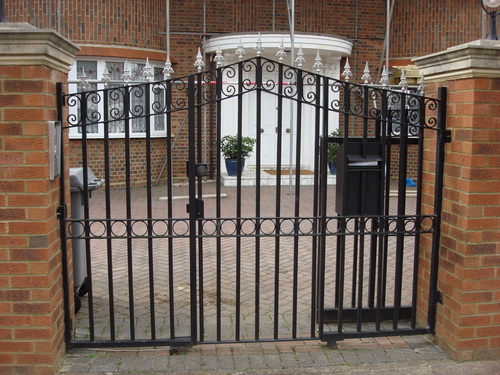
[277, 253]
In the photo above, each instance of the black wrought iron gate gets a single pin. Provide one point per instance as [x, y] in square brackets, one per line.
[280, 252]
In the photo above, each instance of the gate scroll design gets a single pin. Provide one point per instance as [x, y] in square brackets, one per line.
[267, 262]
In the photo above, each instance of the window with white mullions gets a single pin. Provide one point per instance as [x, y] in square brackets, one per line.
[93, 75]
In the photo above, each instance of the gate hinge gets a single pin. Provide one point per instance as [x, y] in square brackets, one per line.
[438, 297]
[447, 136]
[62, 211]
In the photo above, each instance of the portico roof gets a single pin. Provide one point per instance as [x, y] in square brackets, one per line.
[327, 45]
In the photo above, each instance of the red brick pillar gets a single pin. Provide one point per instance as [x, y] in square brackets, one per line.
[31, 298]
[468, 321]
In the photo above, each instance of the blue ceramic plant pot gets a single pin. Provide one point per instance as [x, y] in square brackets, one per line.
[232, 167]
[332, 167]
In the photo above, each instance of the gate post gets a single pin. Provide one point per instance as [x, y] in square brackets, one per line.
[469, 255]
[31, 282]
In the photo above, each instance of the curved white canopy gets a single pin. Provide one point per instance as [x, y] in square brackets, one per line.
[328, 46]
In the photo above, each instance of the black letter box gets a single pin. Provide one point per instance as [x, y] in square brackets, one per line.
[359, 178]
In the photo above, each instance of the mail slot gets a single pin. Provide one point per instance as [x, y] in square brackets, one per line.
[359, 178]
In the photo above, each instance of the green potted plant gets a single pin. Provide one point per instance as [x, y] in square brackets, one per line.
[229, 149]
[331, 154]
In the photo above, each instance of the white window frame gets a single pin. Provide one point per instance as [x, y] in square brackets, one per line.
[74, 82]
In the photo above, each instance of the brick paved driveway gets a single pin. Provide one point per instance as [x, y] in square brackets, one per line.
[173, 257]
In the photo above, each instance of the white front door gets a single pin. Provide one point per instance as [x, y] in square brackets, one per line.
[269, 129]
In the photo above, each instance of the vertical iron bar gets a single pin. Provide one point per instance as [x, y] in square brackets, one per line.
[365, 122]
[109, 229]
[323, 200]
[300, 89]
[343, 223]
[317, 288]
[278, 202]
[338, 251]
[385, 248]
[364, 196]
[380, 273]
[218, 184]
[86, 213]
[373, 261]
[199, 159]
[384, 196]
[192, 204]
[213, 93]
[238, 203]
[361, 274]
[170, 193]
[62, 221]
[258, 78]
[128, 204]
[400, 237]
[438, 206]
[374, 238]
[355, 262]
[149, 204]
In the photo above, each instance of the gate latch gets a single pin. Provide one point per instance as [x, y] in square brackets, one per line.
[200, 208]
[200, 169]
[447, 136]
[438, 297]
[62, 212]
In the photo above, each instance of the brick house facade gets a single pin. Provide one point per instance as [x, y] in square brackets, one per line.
[113, 32]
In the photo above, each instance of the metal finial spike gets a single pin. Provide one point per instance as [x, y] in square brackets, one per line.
[318, 65]
[105, 76]
[366, 78]
[422, 86]
[258, 46]
[347, 74]
[300, 60]
[403, 82]
[126, 76]
[199, 63]
[147, 73]
[240, 51]
[83, 79]
[384, 81]
[218, 58]
[167, 70]
[281, 54]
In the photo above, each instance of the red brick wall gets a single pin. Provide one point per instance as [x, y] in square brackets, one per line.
[468, 321]
[119, 23]
[31, 300]
[95, 155]
[412, 155]
[311, 16]
[427, 26]
[116, 23]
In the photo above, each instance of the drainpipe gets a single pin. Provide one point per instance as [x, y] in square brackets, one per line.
[167, 10]
[274, 16]
[59, 16]
[204, 59]
[387, 33]
[385, 47]
[3, 14]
